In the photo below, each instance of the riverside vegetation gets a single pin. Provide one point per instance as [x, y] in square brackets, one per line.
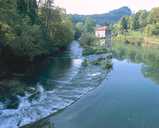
[142, 26]
[30, 31]
[31, 28]
[92, 46]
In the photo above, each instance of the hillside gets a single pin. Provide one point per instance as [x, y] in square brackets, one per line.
[109, 17]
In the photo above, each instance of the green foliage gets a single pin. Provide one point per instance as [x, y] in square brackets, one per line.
[94, 50]
[103, 62]
[106, 64]
[28, 8]
[124, 24]
[143, 22]
[143, 15]
[6, 33]
[149, 56]
[89, 25]
[88, 40]
[153, 16]
[79, 27]
[152, 29]
[135, 22]
[29, 30]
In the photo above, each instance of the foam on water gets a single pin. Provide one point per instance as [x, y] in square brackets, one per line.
[78, 81]
[47, 102]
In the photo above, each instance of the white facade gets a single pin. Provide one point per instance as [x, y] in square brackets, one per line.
[100, 32]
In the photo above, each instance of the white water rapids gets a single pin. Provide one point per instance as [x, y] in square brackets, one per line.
[76, 82]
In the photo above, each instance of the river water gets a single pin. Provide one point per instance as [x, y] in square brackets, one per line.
[61, 83]
[128, 97]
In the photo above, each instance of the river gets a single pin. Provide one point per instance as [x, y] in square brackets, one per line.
[59, 84]
[67, 94]
[128, 97]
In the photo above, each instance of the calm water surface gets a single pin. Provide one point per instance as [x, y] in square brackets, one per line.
[125, 100]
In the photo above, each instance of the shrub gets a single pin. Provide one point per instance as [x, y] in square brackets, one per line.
[152, 29]
[88, 40]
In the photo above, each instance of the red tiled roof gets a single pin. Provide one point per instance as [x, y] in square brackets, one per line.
[101, 28]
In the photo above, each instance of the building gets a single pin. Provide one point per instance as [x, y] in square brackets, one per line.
[100, 32]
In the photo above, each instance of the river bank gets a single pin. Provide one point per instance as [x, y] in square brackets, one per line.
[137, 38]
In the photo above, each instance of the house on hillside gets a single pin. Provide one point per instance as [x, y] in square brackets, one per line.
[100, 32]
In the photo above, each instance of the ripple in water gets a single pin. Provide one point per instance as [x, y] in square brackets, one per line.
[79, 81]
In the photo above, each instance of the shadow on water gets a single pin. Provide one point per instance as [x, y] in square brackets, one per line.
[20, 81]
[21, 86]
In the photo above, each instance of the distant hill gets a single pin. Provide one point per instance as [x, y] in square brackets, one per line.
[109, 17]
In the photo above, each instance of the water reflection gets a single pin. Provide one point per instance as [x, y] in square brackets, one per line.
[127, 99]
[44, 73]
[148, 57]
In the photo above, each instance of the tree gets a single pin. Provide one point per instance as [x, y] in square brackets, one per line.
[28, 8]
[88, 39]
[89, 25]
[143, 14]
[143, 21]
[152, 29]
[79, 29]
[153, 17]
[29, 30]
[22, 6]
[32, 10]
[135, 22]
[124, 24]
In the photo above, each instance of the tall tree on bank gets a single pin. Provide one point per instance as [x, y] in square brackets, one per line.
[154, 16]
[89, 25]
[124, 24]
[28, 8]
[29, 28]
[146, 22]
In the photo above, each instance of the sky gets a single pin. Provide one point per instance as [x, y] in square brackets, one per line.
[103, 6]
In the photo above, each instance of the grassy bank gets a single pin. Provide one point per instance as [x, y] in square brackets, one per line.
[137, 38]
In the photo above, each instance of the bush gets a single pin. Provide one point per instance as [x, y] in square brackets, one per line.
[152, 29]
[104, 63]
[88, 40]
[94, 50]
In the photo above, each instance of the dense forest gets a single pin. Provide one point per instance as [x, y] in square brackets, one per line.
[144, 22]
[31, 28]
